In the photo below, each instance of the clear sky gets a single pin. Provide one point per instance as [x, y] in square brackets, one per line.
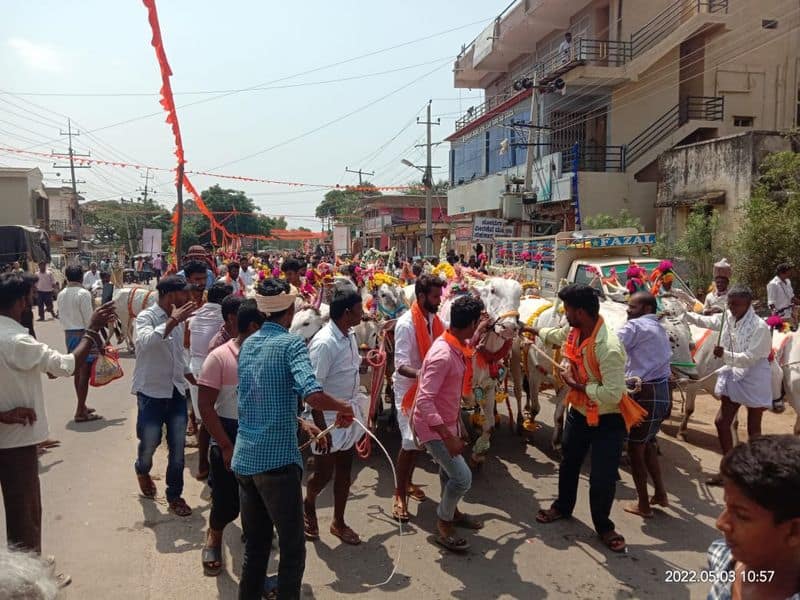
[59, 50]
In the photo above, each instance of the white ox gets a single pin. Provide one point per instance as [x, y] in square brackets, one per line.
[128, 303]
[501, 297]
[535, 312]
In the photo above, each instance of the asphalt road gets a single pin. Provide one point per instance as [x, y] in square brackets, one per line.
[118, 545]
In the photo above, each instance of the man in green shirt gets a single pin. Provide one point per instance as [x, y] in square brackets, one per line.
[595, 375]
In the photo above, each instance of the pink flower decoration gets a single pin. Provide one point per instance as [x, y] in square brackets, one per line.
[774, 322]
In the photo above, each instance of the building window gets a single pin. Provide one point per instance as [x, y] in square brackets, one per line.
[743, 121]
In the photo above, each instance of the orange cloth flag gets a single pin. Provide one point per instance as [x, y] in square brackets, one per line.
[632, 412]
[424, 342]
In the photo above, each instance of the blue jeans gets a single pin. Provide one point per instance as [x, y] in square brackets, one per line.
[153, 414]
[455, 476]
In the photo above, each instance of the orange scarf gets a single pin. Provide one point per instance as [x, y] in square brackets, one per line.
[468, 353]
[632, 413]
[424, 342]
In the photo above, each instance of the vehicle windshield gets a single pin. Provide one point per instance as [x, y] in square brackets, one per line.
[587, 274]
[650, 266]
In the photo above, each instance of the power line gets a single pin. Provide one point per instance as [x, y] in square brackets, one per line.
[332, 122]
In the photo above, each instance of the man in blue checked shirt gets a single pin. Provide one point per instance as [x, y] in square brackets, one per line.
[274, 372]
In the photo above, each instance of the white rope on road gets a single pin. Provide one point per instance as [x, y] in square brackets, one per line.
[394, 475]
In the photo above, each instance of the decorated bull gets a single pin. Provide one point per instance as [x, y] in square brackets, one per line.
[128, 303]
[538, 313]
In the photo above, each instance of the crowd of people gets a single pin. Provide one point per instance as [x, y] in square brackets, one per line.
[221, 370]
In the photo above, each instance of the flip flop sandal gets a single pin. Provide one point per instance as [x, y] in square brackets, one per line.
[656, 502]
[467, 522]
[147, 486]
[715, 481]
[612, 541]
[416, 493]
[63, 580]
[310, 527]
[400, 515]
[347, 535]
[88, 417]
[451, 542]
[549, 516]
[180, 508]
[212, 561]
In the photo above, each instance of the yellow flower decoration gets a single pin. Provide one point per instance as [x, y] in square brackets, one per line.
[444, 270]
[380, 278]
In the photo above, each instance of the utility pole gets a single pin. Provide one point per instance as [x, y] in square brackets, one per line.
[146, 190]
[428, 182]
[69, 133]
[360, 173]
[533, 135]
[179, 209]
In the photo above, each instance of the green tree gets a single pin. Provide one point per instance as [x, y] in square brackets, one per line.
[699, 244]
[769, 222]
[439, 188]
[233, 209]
[603, 221]
[120, 223]
[343, 205]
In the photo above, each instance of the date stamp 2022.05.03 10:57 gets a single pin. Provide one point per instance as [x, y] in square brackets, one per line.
[723, 576]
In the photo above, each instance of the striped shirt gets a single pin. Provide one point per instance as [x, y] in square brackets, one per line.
[274, 373]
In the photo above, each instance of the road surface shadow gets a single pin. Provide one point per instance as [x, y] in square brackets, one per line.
[90, 426]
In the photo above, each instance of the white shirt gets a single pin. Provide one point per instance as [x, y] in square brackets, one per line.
[203, 326]
[564, 50]
[46, 282]
[74, 307]
[247, 275]
[741, 357]
[235, 283]
[716, 300]
[406, 352]
[335, 359]
[160, 361]
[89, 278]
[780, 294]
[23, 360]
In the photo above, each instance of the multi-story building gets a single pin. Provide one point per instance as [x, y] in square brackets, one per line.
[65, 218]
[399, 221]
[639, 78]
[23, 200]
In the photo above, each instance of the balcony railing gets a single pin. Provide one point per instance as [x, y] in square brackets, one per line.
[476, 112]
[601, 53]
[591, 157]
[707, 108]
[669, 19]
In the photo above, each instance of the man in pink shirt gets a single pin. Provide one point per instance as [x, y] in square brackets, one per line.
[217, 403]
[436, 416]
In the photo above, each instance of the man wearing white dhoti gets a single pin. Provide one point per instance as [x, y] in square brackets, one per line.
[744, 379]
[335, 358]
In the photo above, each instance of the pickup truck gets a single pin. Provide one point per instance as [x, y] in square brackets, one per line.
[578, 257]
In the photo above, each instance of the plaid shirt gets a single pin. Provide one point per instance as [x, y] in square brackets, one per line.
[720, 559]
[274, 370]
